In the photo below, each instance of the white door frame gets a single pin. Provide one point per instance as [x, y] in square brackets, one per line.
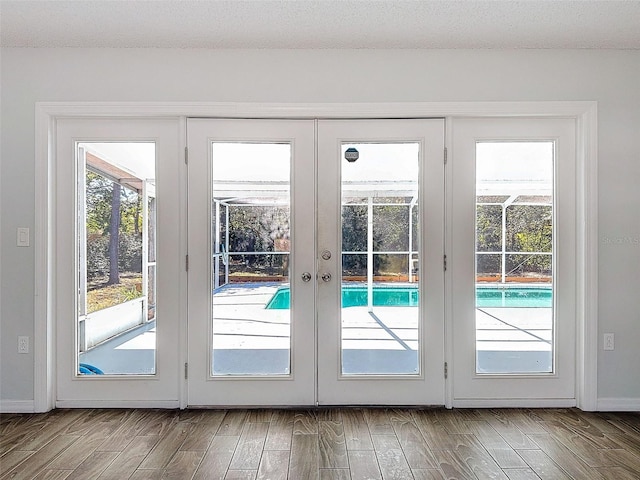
[46, 114]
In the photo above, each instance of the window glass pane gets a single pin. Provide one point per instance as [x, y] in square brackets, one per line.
[250, 237]
[380, 316]
[116, 251]
[514, 257]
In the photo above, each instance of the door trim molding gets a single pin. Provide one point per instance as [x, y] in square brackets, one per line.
[584, 112]
[317, 110]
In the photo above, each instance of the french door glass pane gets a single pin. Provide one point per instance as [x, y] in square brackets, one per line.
[116, 227]
[514, 257]
[380, 278]
[250, 238]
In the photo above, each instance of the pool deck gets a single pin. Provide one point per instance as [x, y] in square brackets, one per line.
[385, 340]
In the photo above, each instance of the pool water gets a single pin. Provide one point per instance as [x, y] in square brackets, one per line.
[356, 296]
[514, 297]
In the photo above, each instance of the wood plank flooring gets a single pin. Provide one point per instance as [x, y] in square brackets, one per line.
[322, 444]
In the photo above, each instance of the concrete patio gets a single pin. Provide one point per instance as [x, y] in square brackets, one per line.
[251, 340]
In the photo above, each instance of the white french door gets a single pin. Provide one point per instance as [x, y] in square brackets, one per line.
[381, 291]
[513, 262]
[119, 270]
[251, 239]
[315, 262]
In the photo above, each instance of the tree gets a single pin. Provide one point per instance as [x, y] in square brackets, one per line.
[112, 247]
[390, 234]
[256, 229]
[528, 238]
[114, 235]
[98, 203]
[354, 239]
[488, 228]
[530, 229]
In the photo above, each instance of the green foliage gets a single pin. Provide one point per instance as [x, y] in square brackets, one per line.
[488, 265]
[98, 203]
[354, 228]
[255, 229]
[390, 234]
[98, 217]
[101, 296]
[529, 228]
[130, 252]
[129, 255]
[98, 206]
[391, 228]
[488, 228]
[97, 256]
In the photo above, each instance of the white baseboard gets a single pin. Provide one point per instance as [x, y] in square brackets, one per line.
[17, 406]
[515, 403]
[604, 404]
[619, 404]
[163, 404]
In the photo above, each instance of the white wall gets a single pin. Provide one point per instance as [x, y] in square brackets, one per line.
[610, 77]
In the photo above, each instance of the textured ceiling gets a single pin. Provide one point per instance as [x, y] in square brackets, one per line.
[321, 24]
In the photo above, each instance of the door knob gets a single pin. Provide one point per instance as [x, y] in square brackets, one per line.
[326, 255]
[306, 276]
[326, 277]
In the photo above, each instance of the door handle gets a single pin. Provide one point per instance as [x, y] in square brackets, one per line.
[306, 276]
[326, 277]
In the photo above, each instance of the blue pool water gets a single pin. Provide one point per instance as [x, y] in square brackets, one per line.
[356, 296]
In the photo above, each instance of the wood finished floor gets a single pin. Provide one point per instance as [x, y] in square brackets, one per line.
[346, 443]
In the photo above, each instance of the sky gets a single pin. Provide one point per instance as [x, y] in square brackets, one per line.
[495, 161]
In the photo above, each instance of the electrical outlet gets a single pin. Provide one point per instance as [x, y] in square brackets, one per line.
[23, 344]
[609, 341]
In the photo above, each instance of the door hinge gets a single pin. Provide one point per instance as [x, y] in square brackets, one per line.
[186, 371]
[446, 370]
[186, 155]
[444, 262]
[445, 155]
[186, 262]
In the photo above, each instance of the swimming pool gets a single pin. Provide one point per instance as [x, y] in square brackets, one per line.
[356, 296]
